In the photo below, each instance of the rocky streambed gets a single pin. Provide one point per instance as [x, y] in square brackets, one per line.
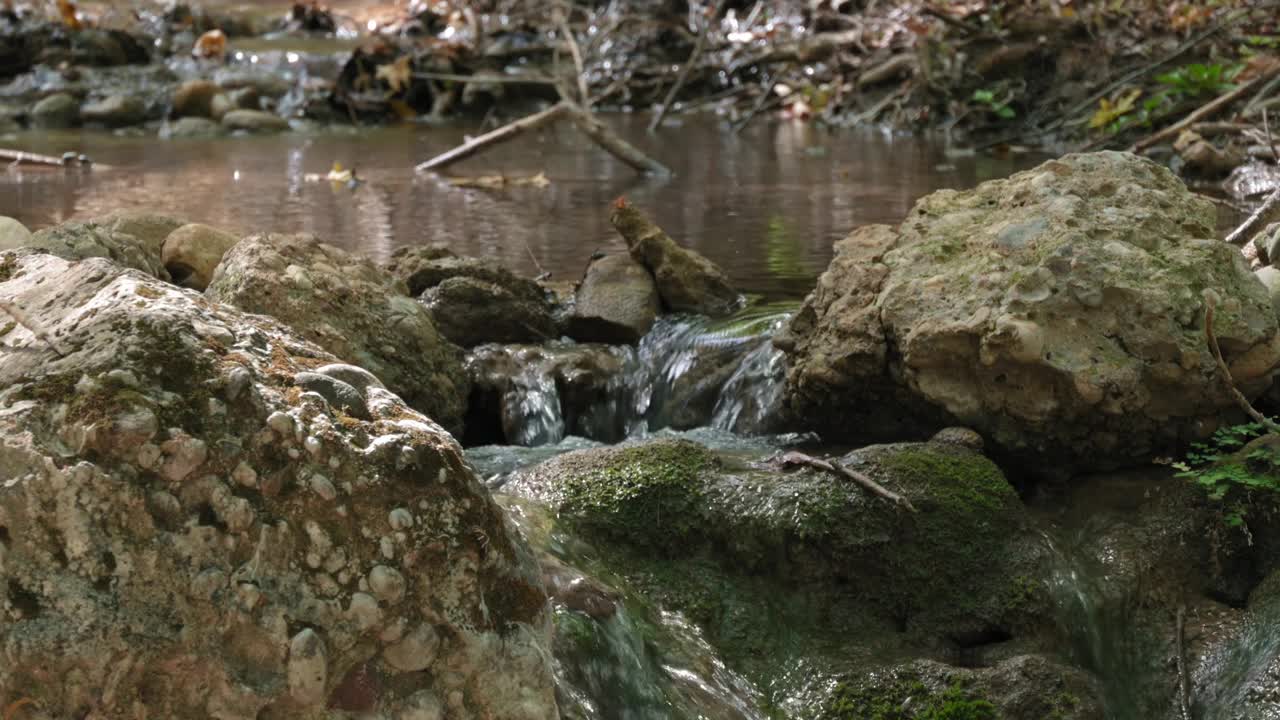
[265, 477]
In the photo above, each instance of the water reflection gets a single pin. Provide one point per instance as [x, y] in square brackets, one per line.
[766, 204]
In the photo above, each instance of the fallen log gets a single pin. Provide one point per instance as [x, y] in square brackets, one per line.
[19, 157]
[862, 481]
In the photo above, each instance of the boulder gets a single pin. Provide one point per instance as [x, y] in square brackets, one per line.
[194, 98]
[687, 281]
[13, 234]
[184, 527]
[191, 127]
[56, 112]
[1267, 244]
[254, 121]
[969, 538]
[1270, 277]
[470, 312]
[115, 111]
[192, 252]
[150, 228]
[100, 238]
[346, 305]
[617, 302]
[422, 268]
[1059, 312]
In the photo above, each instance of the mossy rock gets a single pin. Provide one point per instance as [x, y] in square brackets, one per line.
[648, 495]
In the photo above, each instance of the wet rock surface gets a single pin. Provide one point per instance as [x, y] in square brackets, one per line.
[687, 281]
[235, 544]
[1058, 312]
[469, 311]
[617, 302]
[346, 305]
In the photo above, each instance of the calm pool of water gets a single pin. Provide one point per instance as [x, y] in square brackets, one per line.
[766, 204]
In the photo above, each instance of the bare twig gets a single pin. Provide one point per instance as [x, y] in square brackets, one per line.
[866, 483]
[1210, 299]
[1184, 684]
[491, 78]
[688, 66]
[1204, 111]
[766, 91]
[20, 317]
[1243, 233]
[562, 24]
[501, 135]
[1271, 141]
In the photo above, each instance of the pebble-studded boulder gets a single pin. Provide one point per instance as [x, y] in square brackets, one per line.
[1060, 312]
[126, 238]
[352, 309]
[186, 532]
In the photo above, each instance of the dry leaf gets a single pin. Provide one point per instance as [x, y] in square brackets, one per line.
[212, 44]
[11, 711]
[67, 10]
[397, 74]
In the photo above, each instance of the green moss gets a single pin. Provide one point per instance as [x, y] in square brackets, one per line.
[648, 496]
[8, 263]
[906, 699]
[963, 482]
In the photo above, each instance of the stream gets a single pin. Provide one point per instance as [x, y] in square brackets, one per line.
[766, 205]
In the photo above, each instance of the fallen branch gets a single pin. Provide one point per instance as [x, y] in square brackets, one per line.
[1210, 299]
[1204, 111]
[530, 79]
[866, 483]
[684, 71]
[1244, 232]
[582, 119]
[495, 137]
[18, 157]
[601, 135]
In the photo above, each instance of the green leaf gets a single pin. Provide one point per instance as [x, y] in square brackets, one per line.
[1006, 112]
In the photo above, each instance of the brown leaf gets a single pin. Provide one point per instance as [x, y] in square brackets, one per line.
[397, 74]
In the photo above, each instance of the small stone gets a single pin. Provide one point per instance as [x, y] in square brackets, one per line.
[356, 377]
[308, 668]
[364, 611]
[56, 111]
[415, 652]
[387, 547]
[323, 487]
[281, 423]
[248, 595]
[207, 583]
[183, 454]
[115, 111]
[245, 475]
[149, 455]
[256, 121]
[312, 444]
[400, 519]
[337, 393]
[387, 584]
[293, 453]
[393, 631]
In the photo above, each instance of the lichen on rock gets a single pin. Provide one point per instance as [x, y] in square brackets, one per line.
[185, 532]
[1058, 312]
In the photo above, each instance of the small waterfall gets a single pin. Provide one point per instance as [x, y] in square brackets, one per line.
[1239, 678]
[1098, 620]
[687, 372]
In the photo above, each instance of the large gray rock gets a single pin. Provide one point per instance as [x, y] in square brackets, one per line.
[101, 237]
[687, 281]
[425, 267]
[616, 303]
[115, 111]
[192, 252]
[349, 307]
[150, 228]
[191, 127]
[1059, 312]
[58, 111]
[471, 312]
[184, 533]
